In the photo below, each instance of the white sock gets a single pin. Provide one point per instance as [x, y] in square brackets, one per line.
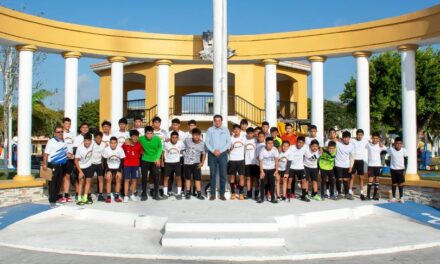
[179, 190]
[151, 186]
[165, 190]
[350, 191]
[328, 192]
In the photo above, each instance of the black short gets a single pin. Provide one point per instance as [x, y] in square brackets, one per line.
[69, 166]
[311, 173]
[299, 174]
[98, 169]
[327, 174]
[342, 173]
[281, 173]
[252, 170]
[113, 172]
[173, 169]
[236, 167]
[192, 170]
[374, 171]
[88, 172]
[358, 167]
[397, 176]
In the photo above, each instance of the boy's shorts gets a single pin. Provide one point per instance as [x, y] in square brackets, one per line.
[252, 170]
[236, 167]
[342, 173]
[173, 169]
[397, 176]
[299, 174]
[192, 170]
[358, 167]
[374, 171]
[131, 172]
[327, 173]
[311, 173]
[98, 169]
[88, 172]
[70, 164]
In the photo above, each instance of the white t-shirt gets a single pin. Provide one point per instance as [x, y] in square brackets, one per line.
[68, 139]
[113, 157]
[78, 141]
[268, 158]
[309, 139]
[283, 158]
[56, 151]
[182, 135]
[172, 152]
[397, 158]
[359, 152]
[260, 146]
[236, 151]
[296, 155]
[121, 136]
[311, 158]
[141, 131]
[106, 139]
[84, 155]
[343, 152]
[328, 140]
[162, 134]
[250, 146]
[374, 151]
[97, 152]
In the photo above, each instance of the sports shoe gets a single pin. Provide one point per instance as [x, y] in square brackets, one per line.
[164, 197]
[108, 199]
[144, 198]
[241, 197]
[401, 201]
[326, 196]
[340, 196]
[305, 198]
[323, 197]
[80, 203]
[89, 200]
[368, 198]
[274, 201]
[349, 197]
[283, 198]
[61, 200]
[392, 200]
[200, 196]
[316, 197]
[68, 200]
[333, 197]
[178, 196]
[161, 192]
[292, 196]
[118, 199]
[76, 198]
[376, 197]
[187, 195]
[260, 200]
[363, 198]
[126, 199]
[134, 198]
[101, 198]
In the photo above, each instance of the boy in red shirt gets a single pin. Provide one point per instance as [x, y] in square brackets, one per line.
[133, 151]
[289, 135]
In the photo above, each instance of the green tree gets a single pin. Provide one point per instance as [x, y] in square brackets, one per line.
[89, 112]
[336, 114]
[44, 119]
[386, 91]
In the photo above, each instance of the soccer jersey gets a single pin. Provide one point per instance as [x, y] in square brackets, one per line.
[309, 139]
[397, 158]
[291, 138]
[343, 152]
[121, 136]
[106, 139]
[56, 150]
[172, 152]
[68, 139]
[268, 158]
[132, 154]
[97, 152]
[283, 158]
[250, 146]
[236, 151]
[113, 157]
[193, 151]
[296, 155]
[359, 152]
[162, 134]
[327, 160]
[260, 146]
[311, 158]
[84, 155]
[374, 150]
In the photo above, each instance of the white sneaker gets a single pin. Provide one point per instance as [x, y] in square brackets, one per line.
[393, 200]
[401, 201]
[126, 199]
[133, 198]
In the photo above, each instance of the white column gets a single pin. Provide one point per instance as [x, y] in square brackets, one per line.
[163, 92]
[270, 90]
[224, 108]
[24, 151]
[217, 6]
[117, 90]
[71, 88]
[318, 94]
[409, 117]
[363, 92]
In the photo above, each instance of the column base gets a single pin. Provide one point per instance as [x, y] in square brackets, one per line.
[23, 178]
[412, 177]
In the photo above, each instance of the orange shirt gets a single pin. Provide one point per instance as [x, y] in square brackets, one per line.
[291, 138]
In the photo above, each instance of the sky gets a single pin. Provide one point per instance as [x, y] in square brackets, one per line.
[194, 17]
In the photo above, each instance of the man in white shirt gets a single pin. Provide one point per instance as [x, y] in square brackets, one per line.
[236, 163]
[360, 157]
[268, 159]
[296, 171]
[343, 165]
[65, 181]
[375, 148]
[399, 158]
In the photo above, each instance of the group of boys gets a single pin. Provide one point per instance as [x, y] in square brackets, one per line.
[258, 160]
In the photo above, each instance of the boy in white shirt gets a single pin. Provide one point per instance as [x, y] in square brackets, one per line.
[251, 162]
[313, 134]
[138, 126]
[163, 135]
[311, 156]
[268, 159]
[243, 127]
[343, 165]
[296, 171]
[172, 167]
[284, 166]
[236, 163]
[398, 163]
[122, 134]
[83, 163]
[106, 127]
[375, 148]
[70, 164]
[359, 160]
[261, 144]
[97, 166]
[113, 159]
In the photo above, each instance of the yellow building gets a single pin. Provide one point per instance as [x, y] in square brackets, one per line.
[190, 91]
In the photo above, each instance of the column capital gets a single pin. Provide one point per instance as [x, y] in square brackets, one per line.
[164, 62]
[358, 54]
[408, 47]
[317, 58]
[71, 54]
[269, 61]
[26, 48]
[116, 59]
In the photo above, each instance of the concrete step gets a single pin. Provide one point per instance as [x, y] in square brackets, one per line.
[222, 226]
[206, 240]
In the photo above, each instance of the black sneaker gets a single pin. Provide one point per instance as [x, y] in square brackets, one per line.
[144, 197]
[101, 198]
[349, 197]
[200, 196]
[340, 196]
[188, 196]
[274, 200]
[178, 196]
[260, 200]
[90, 200]
[376, 197]
[151, 192]
[363, 198]
[164, 197]
[368, 198]
[305, 198]
[161, 192]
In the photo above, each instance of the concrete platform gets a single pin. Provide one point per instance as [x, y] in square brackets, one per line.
[219, 230]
